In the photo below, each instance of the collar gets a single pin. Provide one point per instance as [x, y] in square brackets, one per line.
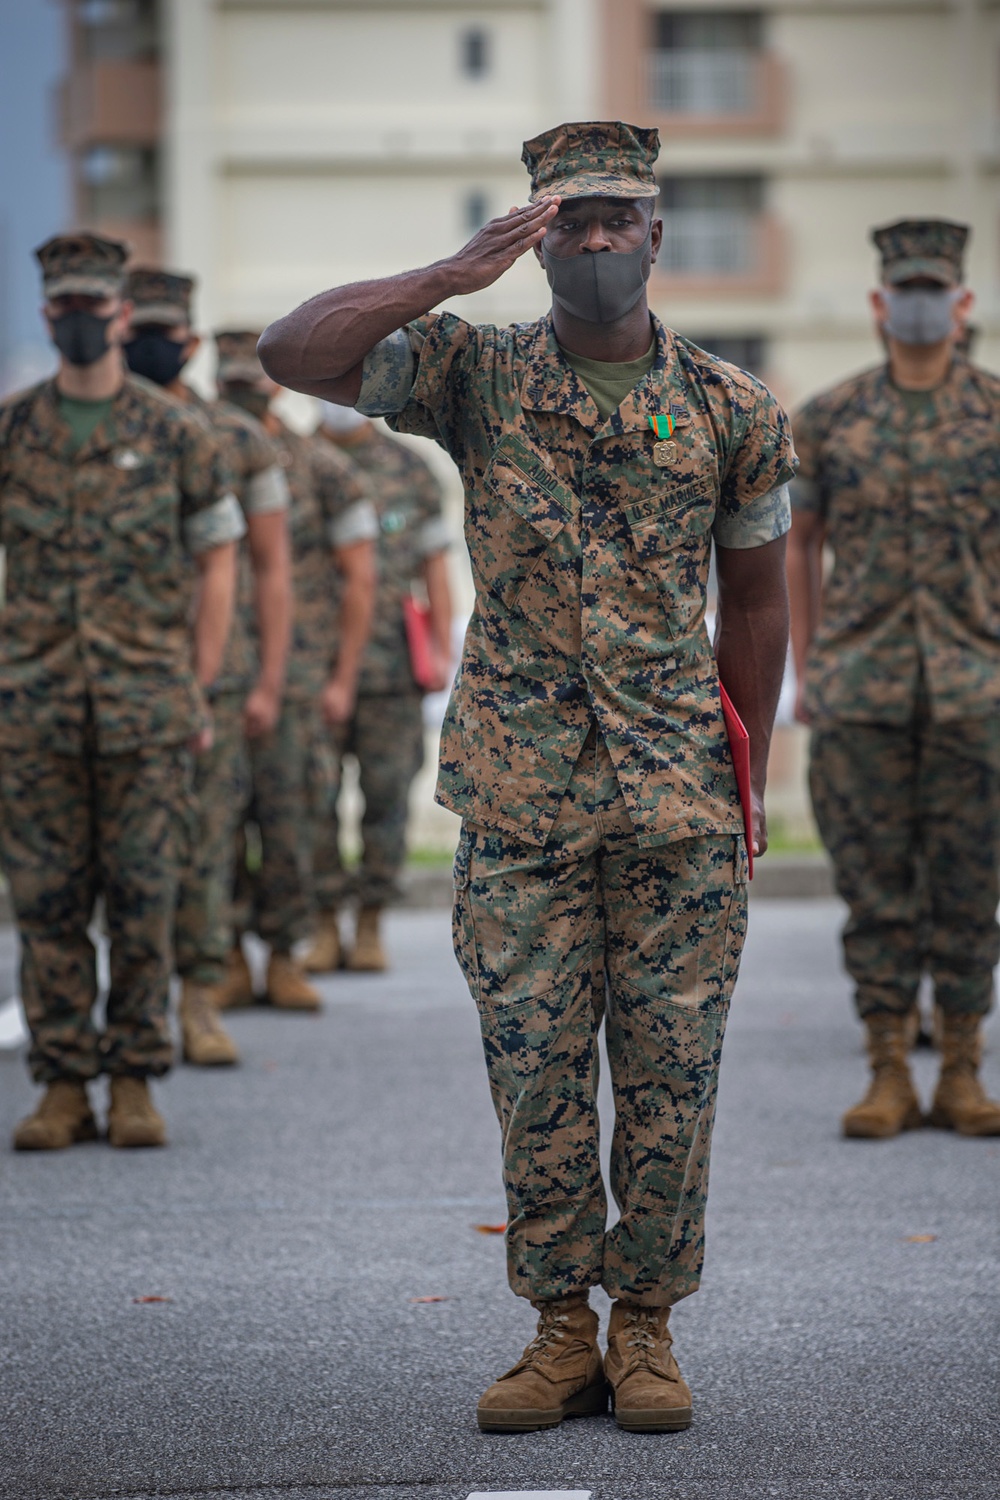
[550, 384]
[960, 397]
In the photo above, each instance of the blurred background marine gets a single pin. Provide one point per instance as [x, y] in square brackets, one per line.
[898, 660]
[245, 696]
[332, 531]
[386, 731]
[108, 488]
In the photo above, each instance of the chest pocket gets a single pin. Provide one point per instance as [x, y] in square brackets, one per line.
[149, 522]
[22, 514]
[525, 509]
[670, 534]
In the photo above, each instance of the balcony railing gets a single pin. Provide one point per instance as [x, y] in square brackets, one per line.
[708, 242]
[711, 82]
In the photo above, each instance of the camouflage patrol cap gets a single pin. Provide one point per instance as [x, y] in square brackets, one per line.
[921, 247]
[87, 264]
[593, 159]
[159, 296]
[237, 351]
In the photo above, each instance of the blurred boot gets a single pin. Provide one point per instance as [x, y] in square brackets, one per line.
[960, 1101]
[287, 986]
[132, 1120]
[891, 1103]
[62, 1117]
[205, 1042]
[560, 1374]
[324, 953]
[368, 956]
[236, 988]
[648, 1393]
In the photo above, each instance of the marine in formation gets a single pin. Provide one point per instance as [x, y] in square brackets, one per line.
[602, 867]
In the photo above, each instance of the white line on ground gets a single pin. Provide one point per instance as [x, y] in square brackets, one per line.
[13, 1032]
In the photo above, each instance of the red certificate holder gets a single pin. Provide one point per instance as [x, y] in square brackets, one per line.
[420, 642]
[739, 748]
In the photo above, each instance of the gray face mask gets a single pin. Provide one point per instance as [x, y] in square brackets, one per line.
[601, 286]
[920, 316]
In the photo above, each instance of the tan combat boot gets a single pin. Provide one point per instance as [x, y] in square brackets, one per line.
[62, 1117]
[648, 1393]
[324, 953]
[132, 1120]
[560, 1374]
[205, 1042]
[368, 956]
[287, 986]
[236, 988]
[960, 1101]
[891, 1103]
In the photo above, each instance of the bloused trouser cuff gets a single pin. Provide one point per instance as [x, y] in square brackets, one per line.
[73, 828]
[549, 940]
[910, 816]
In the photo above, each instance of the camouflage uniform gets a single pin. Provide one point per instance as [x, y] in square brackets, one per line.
[97, 698]
[329, 508]
[602, 849]
[202, 935]
[903, 677]
[386, 732]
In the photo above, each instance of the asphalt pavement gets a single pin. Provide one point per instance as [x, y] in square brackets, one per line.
[242, 1315]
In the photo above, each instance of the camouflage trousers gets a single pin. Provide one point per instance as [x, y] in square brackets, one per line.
[203, 932]
[73, 828]
[911, 819]
[271, 894]
[552, 941]
[386, 735]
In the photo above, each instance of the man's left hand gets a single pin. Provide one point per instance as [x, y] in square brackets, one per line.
[759, 825]
[337, 702]
[260, 712]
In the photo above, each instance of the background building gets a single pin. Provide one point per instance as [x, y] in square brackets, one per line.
[279, 146]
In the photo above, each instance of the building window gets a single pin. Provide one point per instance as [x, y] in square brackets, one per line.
[117, 30]
[747, 350]
[710, 225]
[476, 210]
[475, 52]
[703, 62]
[119, 183]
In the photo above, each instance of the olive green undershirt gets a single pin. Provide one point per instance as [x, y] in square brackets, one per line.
[609, 384]
[916, 402]
[82, 417]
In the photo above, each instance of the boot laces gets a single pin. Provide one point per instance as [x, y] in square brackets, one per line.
[641, 1330]
[552, 1330]
[201, 1013]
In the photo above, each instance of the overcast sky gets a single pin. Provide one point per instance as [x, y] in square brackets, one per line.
[34, 181]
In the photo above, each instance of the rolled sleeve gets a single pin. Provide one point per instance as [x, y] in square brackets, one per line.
[763, 520]
[387, 376]
[214, 525]
[433, 537]
[267, 492]
[805, 495]
[358, 523]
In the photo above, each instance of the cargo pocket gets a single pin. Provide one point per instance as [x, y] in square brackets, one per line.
[670, 538]
[525, 509]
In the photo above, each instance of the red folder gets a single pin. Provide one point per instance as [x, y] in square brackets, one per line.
[419, 640]
[739, 748]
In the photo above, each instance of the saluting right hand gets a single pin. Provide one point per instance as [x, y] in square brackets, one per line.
[495, 247]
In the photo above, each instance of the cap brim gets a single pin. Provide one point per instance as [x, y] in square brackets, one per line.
[919, 266]
[160, 312]
[78, 285]
[597, 185]
[240, 369]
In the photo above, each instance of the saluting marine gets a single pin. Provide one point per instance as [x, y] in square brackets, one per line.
[898, 658]
[602, 866]
[245, 696]
[108, 488]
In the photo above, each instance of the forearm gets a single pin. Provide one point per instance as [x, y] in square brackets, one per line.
[751, 646]
[273, 605]
[320, 347]
[214, 610]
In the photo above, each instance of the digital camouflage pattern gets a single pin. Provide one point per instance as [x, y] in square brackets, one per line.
[203, 927]
[911, 816]
[911, 507]
[411, 528]
[663, 931]
[593, 159]
[99, 578]
[85, 264]
[161, 297]
[73, 827]
[272, 891]
[386, 734]
[921, 247]
[590, 561]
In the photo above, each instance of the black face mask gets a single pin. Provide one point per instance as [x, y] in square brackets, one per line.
[239, 393]
[81, 337]
[602, 286]
[156, 357]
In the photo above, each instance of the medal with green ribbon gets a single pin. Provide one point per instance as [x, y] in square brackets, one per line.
[664, 450]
